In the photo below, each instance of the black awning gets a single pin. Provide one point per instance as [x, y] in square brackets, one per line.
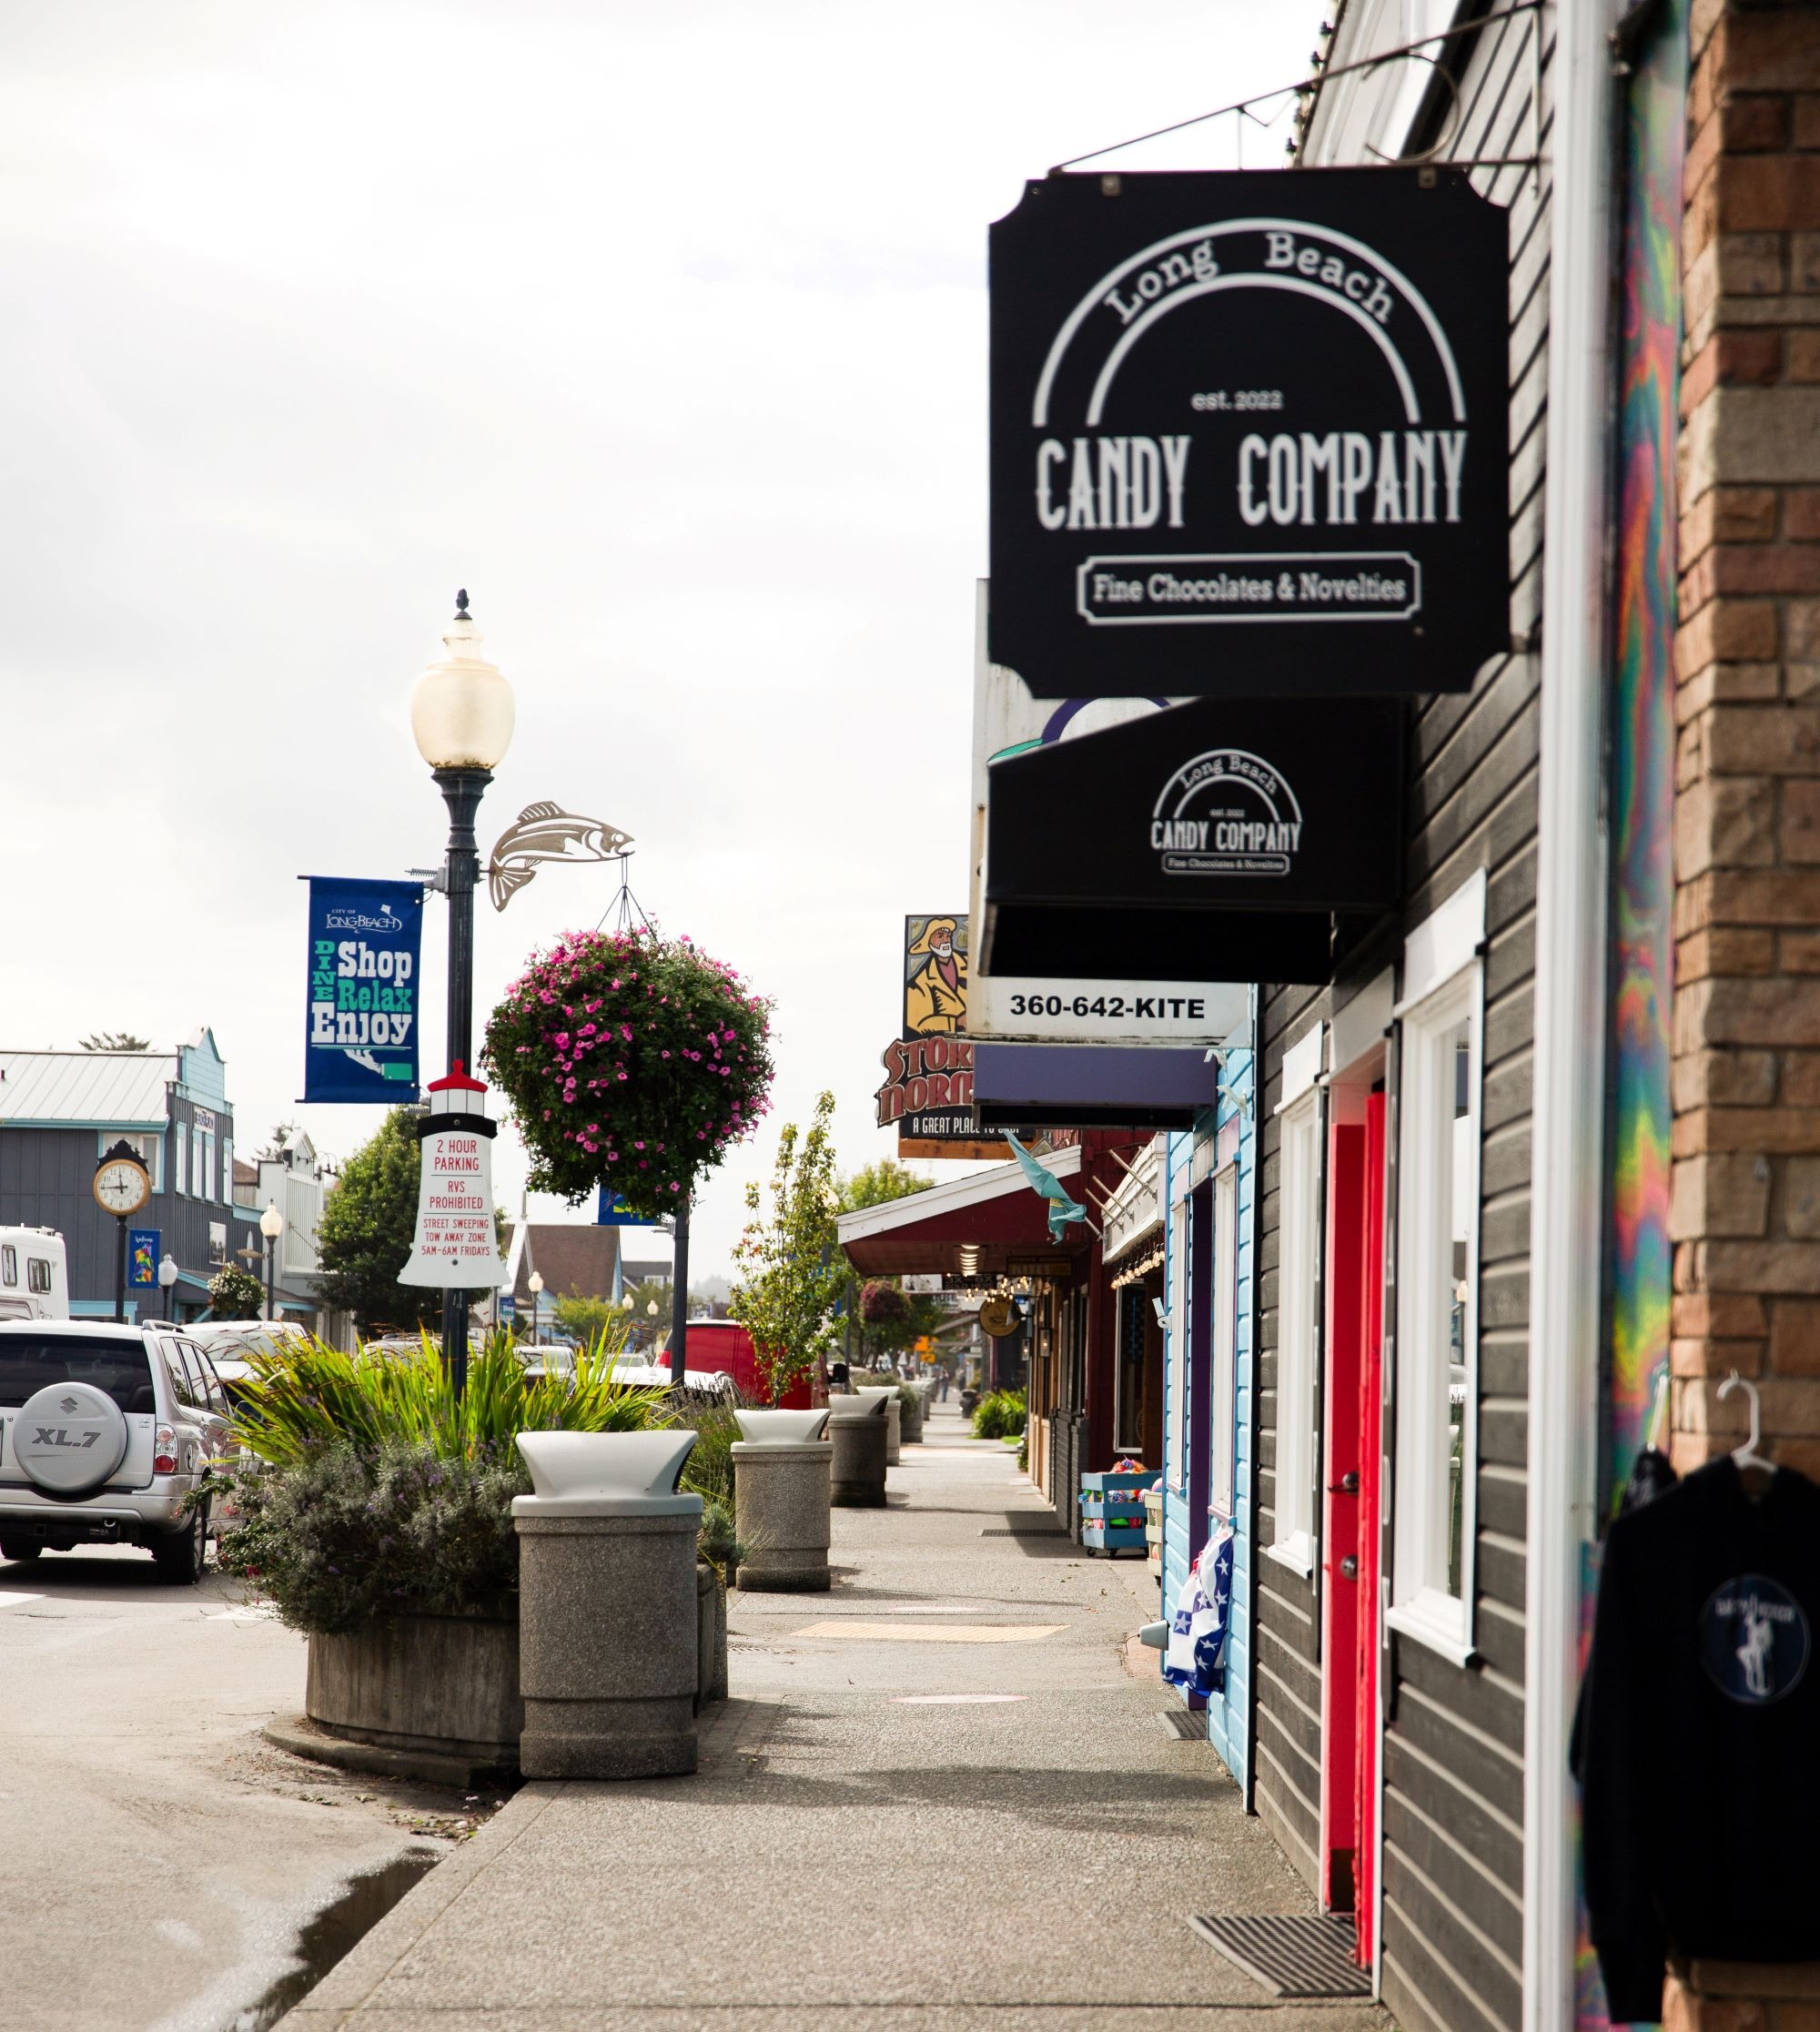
[1215, 842]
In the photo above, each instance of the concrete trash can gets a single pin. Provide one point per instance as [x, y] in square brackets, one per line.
[893, 1430]
[859, 1434]
[783, 1486]
[608, 1608]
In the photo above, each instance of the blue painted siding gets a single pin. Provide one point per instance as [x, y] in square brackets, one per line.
[1227, 1724]
[1185, 1521]
[1180, 1546]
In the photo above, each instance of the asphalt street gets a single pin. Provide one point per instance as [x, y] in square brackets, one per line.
[942, 1797]
[160, 1860]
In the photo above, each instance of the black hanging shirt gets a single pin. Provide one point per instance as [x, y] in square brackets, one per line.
[1702, 1746]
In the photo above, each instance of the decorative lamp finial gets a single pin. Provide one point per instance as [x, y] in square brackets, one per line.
[461, 613]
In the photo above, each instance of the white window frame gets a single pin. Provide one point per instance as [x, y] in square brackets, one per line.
[198, 1171]
[1294, 1544]
[227, 1170]
[147, 1145]
[180, 1153]
[1421, 1606]
[1222, 1465]
[1177, 1464]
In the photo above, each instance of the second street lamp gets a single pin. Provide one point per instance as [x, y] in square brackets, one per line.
[536, 1305]
[272, 1226]
[461, 716]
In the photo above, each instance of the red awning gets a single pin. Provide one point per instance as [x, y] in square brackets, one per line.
[994, 1213]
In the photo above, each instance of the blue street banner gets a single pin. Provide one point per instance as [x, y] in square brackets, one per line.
[360, 1028]
[610, 1211]
[143, 1248]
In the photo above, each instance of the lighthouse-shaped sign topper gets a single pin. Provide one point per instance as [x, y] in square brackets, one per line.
[456, 1242]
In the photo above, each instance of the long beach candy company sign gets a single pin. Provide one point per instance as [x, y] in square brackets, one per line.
[1249, 434]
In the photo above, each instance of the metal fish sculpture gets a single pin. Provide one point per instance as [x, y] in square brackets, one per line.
[546, 832]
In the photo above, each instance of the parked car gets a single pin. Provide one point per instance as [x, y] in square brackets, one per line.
[105, 1430]
[34, 1274]
[228, 1343]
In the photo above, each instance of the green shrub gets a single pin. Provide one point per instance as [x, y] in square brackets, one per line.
[1000, 1414]
[303, 1398]
[374, 1492]
[345, 1534]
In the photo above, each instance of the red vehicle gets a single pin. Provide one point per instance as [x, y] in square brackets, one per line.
[725, 1345]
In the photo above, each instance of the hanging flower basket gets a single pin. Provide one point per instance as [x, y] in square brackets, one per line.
[632, 1062]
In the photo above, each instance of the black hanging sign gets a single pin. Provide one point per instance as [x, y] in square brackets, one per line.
[1225, 837]
[1249, 434]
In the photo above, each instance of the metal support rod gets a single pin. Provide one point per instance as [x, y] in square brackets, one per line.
[462, 790]
[270, 1255]
[679, 1299]
[120, 1272]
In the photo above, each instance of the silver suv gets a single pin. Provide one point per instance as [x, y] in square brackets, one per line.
[103, 1430]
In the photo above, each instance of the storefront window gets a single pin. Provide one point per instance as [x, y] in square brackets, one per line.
[1437, 1278]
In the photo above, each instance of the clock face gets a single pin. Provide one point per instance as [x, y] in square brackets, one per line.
[122, 1186]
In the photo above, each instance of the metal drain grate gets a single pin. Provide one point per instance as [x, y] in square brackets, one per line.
[1034, 1527]
[1185, 1722]
[1289, 1957]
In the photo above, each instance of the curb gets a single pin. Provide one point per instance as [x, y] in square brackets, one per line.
[354, 1978]
[301, 1738]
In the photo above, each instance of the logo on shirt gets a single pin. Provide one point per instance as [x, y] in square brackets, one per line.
[1754, 1639]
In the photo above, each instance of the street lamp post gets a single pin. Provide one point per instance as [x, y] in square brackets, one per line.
[272, 1226]
[167, 1276]
[536, 1305]
[461, 716]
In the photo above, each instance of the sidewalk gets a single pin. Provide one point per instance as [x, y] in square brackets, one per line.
[859, 1848]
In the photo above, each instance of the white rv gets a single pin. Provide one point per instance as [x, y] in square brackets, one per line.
[34, 1274]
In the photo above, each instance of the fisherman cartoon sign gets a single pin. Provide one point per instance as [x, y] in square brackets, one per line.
[928, 1087]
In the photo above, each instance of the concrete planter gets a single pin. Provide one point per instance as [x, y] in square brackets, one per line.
[894, 1415]
[444, 1685]
[711, 1636]
[611, 1606]
[782, 1491]
[910, 1416]
[859, 1437]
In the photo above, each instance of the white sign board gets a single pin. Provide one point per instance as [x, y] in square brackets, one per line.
[923, 1283]
[456, 1241]
[1060, 1009]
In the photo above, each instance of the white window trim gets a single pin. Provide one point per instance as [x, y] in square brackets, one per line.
[1302, 1068]
[1418, 1607]
[1444, 943]
[1222, 1479]
[1294, 1544]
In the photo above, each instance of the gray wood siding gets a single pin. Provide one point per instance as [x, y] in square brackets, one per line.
[1452, 1801]
[1287, 1695]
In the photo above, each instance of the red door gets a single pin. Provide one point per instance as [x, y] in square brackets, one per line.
[1370, 1462]
[1355, 1290]
[1340, 1538]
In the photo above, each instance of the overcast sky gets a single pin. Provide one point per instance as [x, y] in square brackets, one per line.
[662, 330]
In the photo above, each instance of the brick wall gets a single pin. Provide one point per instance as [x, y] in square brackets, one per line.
[1747, 1172]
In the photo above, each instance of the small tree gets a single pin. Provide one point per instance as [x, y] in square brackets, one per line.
[235, 1294]
[363, 1240]
[583, 1317]
[887, 1179]
[789, 1272]
[116, 1040]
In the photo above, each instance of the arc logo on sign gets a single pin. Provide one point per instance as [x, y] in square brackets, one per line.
[1227, 410]
[1754, 1640]
[1228, 812]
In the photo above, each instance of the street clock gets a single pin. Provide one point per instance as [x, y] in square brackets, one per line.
[122, 1184]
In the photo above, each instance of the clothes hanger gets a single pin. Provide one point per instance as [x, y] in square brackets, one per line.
[1656, 1426]
[1749, 1455]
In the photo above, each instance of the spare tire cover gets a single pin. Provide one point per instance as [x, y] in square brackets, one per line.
[69, 1438]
